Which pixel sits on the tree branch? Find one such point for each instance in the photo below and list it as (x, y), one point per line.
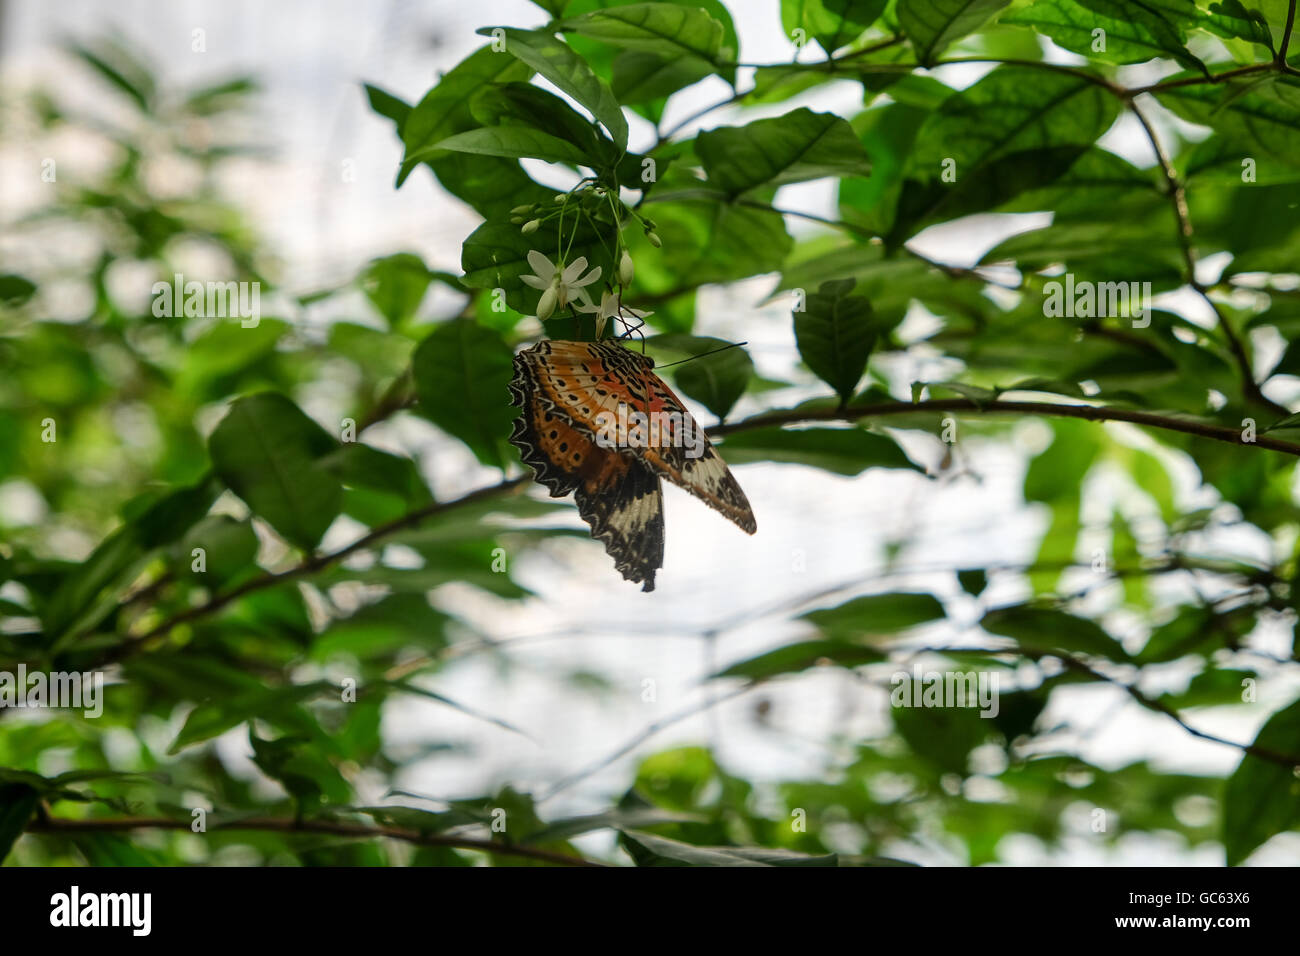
(49, 824)
(1081, 667)
(1094, 413)
(1178, 198)
(309, 566)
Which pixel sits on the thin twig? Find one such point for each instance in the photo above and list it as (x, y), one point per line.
(328, 827)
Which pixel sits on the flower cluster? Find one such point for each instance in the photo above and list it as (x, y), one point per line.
(564, 284)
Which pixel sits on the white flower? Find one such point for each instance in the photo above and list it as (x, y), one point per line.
(560, 284)
(609, 308)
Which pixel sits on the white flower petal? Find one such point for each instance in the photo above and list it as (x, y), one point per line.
(543, 266)
(573, 271)
(589, 278)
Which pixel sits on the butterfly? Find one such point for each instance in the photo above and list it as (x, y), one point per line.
(597, 422)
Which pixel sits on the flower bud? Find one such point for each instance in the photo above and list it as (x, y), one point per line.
(625, 269)
(654, 239)
(546, 304)
(522, 210)
(530, 226)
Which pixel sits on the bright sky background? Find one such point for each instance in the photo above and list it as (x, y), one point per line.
(312, 59)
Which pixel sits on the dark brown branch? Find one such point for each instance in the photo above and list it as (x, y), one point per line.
(1096, 413)
(1286, 35)
(1093, 413)
(1081, 667)
(326, 827)
(310, 566)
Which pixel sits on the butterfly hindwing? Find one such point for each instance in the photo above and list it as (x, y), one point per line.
(598, 422)
(628, 516)
(618, 496)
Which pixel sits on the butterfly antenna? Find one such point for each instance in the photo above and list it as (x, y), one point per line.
(721, 348)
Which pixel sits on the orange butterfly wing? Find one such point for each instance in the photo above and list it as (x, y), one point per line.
(599, 385)
(618, 496)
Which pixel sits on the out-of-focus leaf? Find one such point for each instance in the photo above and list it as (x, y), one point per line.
(17, 804)
(800, 656)
(876, 615)
(462, 374)
(215, 718)
(396, 286)
(268, 452)
(1262, 798)
(845, 451)
(646, 849)
(1047, 630)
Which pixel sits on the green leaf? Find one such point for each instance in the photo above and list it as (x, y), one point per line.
(361, 466)
(388, 106)
(396, 285)
(377, 630)
(213, 719)
(944, 736)
(1141, 251)
(522, 104)
(112, 849)
(798, 146)
(800, 656)
(1260, 117)
(15, 290)
(444, 110)
(1213, 687)
(1058, 472)
(115, 63)
(229, 549)
(496, 254)
(662, 28)
(716, 381)
(646, 849)
(1017, 129)
(18, 802)
(267, 451)
(1262, 798)
(845, 451)
(1231, 20)
(1048, 630)
(835, 336)
(90, 592)
(557, 61)
(640, 77)
(462, 374)
(876, 615)
(1134, 32)
(932, 25)
(710, 240)
(515, 142)
(833, 23)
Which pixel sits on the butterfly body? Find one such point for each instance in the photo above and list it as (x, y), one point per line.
(599, 423)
